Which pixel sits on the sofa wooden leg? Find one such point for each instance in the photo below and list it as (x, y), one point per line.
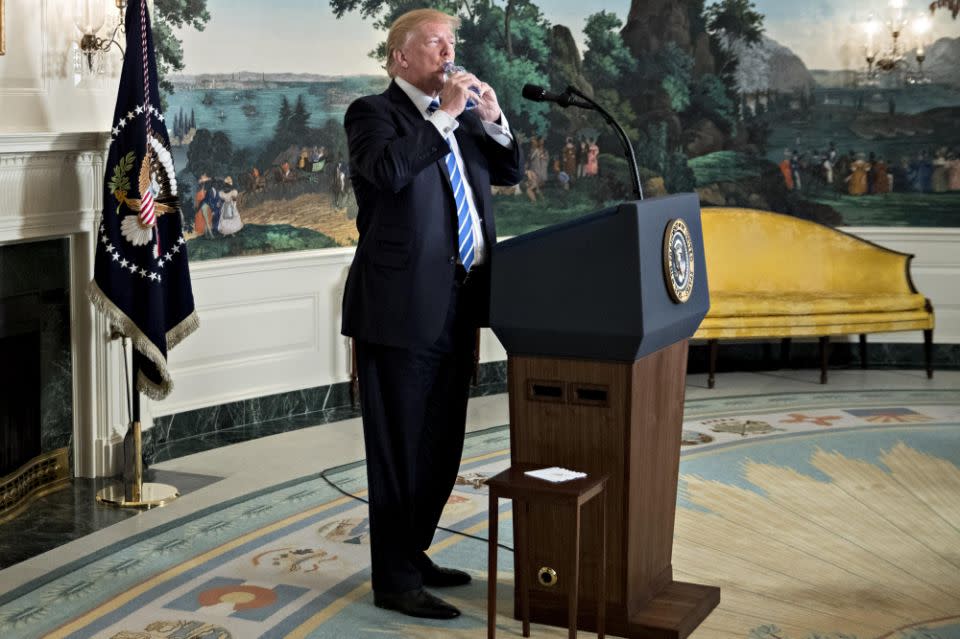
(824, 356)
(863, 350)
(712, 366)
(785, 351)
(928, 351)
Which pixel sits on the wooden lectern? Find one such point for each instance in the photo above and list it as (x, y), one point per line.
(589, 312)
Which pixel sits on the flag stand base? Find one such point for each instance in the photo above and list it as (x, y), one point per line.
(151, 496)
(133, 492)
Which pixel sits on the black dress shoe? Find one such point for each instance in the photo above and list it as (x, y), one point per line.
(437, 577)
(415, 603)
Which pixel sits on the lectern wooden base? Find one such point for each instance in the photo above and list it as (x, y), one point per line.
(623, 420)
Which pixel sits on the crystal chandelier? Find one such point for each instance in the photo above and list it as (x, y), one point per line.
(891, 60)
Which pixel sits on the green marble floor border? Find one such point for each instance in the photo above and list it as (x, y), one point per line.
(211, 427)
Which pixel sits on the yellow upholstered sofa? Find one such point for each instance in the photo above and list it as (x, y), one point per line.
(775, 276)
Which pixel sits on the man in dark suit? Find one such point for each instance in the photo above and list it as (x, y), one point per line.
(421, 162)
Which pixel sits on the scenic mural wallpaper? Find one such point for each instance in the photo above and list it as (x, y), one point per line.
(844, 112)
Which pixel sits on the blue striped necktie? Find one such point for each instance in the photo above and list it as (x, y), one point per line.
(464, 221)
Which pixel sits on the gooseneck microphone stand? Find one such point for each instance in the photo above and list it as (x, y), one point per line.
(624, 140)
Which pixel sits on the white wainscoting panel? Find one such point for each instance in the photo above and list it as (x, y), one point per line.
(268, 324)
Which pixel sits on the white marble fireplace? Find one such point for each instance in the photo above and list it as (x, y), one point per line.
(50, 187)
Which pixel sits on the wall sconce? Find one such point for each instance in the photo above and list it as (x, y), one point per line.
(89, 17)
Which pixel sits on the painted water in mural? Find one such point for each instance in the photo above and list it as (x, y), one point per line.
(816, 111)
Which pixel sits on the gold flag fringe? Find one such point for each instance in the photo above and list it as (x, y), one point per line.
(129, 328)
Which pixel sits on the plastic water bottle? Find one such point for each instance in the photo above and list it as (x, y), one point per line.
(449, 68)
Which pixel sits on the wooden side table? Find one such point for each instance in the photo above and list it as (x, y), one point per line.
(514, 484)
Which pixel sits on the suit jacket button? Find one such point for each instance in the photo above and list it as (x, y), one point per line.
(452, 260)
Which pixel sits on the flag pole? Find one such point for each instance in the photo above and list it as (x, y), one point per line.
(141, 280)
(133, 492)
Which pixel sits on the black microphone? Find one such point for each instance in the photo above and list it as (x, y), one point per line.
(539, 94)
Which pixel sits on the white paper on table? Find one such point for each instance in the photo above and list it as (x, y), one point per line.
(555, 474)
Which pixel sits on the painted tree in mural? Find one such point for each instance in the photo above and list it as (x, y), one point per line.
(170, 15)
(953, 6)
(608, 63)
(506, 46)
(735, 27)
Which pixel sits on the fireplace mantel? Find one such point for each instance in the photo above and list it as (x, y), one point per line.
(50, 186)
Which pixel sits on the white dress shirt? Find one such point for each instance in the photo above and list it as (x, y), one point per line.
(446, 125)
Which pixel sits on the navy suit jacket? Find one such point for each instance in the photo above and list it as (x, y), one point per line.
(400, 283)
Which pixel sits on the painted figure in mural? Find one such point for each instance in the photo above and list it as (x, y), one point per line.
(940, 181)
(592, 166)
(953, 171)
(582, 157)
(203, 220)
(230, 221)
(569, 154)
(563, 178)
(795, 166)
(881, 177)
(841, 169)
(339, 184)
(257, 181)
(857, 180)
(422, 167)
(532, 185)
(901, 176)
(786, 170)
(214, 202)
(921, 173)
(538, 158)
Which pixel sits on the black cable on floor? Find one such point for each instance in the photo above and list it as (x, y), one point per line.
(323, 475)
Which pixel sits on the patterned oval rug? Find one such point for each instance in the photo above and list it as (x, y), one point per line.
(820, 515)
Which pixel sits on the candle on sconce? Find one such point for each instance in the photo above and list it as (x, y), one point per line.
(871, 27)
(921, 25)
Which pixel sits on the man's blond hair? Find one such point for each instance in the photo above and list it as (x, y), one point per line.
(405, 25)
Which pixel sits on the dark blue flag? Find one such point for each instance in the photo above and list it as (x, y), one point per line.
(141, 279)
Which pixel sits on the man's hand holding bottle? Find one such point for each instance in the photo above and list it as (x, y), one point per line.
(463, 91)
